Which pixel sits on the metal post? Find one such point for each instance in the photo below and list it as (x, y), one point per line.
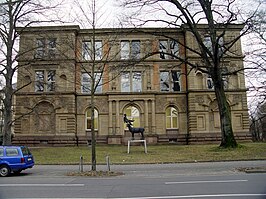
(81, 163)
(108, 162)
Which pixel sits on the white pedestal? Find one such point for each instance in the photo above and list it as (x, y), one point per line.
(132, 141)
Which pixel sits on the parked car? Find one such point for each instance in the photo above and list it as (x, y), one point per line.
(15, 159)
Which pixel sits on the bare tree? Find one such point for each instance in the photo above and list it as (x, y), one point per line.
(14, 13)
(255, 60)
(218, 17)
(96, 56)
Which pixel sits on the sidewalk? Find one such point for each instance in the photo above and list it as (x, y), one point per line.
(155, 170)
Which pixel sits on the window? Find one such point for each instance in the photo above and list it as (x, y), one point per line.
(225, 77)
(44, 80)
(208, 44)
(130, 49)
(132, 114)
(86, 82)
(1, 152)
(39, 81)
(131, 82)
(224, 72)
(135, 49)
(171, 118)
(51, 47)
(40, 50)
(11, 152)
(89, 119)
(45, 48)
(169, 49)
(51, 80)
(209, 82)
(87, 50)
(170, 81)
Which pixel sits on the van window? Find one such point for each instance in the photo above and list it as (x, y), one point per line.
(11, 152)
(1, 152)
(25, 151)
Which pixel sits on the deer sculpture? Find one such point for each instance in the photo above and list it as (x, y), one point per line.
(132, 129)
(136, 130)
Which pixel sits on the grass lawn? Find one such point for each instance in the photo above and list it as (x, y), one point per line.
(156, 154)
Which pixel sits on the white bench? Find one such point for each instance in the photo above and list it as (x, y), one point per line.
(132, 141)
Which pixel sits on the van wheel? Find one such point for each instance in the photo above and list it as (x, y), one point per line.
(4, 170)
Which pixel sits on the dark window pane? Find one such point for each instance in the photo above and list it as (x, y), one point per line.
(175, 77)
(135, 50)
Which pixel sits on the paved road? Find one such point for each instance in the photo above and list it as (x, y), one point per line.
(196, 180)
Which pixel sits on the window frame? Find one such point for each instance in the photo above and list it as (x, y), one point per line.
(174, 85)
(10, 152)
(129, 81)
(46, 47)
(168, 50)
(98, 77)
(87, 51)
(130, 49)
(88, 119)
(208, 44)
(171, 118)
(46, 84)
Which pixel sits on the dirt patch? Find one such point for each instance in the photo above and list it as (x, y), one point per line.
(95, 173)
(252, 169)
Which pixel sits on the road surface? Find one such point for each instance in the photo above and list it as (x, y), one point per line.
(186, 180)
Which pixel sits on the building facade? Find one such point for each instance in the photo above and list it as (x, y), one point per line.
(135, 74)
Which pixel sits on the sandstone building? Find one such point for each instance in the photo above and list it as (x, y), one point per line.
(161, 93)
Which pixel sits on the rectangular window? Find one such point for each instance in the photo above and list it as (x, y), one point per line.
(1, 152)
(168, 49)
(170, 81)
(209, 82)
(98, 50)
(135, 49)
(98, 81)
(44, 80)
(130, 49)
(125, 82)
(11, 152)
(225, 78)
(124, 50)
(45, 48)
(87, 50)
(51, 80)
(131, 82)
(39, 81)
(40, 48)
(136, 82)
(208, 44)
(51, 45)
(86, 46)
(86, 83)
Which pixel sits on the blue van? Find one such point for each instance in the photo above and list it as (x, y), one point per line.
(15, 159)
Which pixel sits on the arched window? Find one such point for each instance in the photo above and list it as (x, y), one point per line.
(133, 114)
(171, 118)
(88, 119)
(199, 80)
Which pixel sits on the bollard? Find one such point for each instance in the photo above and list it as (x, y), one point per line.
(108, 162)
(81, 163)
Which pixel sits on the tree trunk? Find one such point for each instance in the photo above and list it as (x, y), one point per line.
(228, 139)
(7, 116)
